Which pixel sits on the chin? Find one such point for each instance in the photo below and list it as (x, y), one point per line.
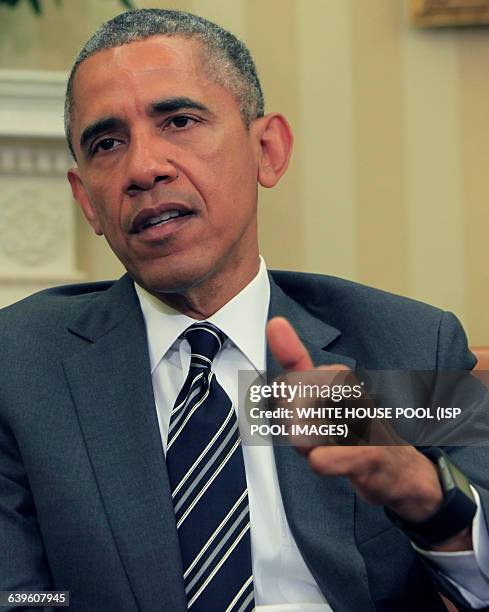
(170, 279)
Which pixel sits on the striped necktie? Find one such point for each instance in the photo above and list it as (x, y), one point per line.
(207, 477)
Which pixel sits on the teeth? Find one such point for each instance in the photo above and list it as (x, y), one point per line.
(170, 214)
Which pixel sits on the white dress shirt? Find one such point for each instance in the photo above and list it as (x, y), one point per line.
(282, 581)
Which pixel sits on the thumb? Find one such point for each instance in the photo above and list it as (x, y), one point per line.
(286, 346)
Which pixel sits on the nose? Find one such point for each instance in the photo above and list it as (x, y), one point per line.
(148, 164)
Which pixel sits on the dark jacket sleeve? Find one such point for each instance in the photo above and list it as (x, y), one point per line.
(453, 354)
(23, 564)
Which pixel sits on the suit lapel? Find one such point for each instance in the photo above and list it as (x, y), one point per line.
(111, 386)
(320, 511)
(314, 333)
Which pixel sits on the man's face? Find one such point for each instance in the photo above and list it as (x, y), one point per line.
(156, 138)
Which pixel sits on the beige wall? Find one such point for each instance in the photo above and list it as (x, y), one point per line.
(388, 184)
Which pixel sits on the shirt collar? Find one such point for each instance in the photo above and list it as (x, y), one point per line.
(243, 319)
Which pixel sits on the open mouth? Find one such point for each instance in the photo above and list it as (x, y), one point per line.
(164, 218)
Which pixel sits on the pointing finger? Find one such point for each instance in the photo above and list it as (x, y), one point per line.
(286, 346)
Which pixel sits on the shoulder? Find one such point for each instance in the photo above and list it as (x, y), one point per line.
(47, 312)
(56, 302)
(323, 292)
(375, 323)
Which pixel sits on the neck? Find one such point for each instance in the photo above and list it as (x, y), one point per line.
(203, 300)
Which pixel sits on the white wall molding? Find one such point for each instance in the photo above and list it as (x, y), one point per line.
(31, 103)
(37, 214)
(31, 158)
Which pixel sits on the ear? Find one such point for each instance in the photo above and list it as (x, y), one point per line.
(81, 196)
(275, 139)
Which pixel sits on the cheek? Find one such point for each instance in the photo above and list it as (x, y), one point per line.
(104, 202)
(228, 152)
(231, 175)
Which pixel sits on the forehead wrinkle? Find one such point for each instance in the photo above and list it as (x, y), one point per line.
(129, 60)
(194, 61)
(106, 81)
(163, 50)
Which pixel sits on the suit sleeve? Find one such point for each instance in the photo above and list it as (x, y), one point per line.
(23, 563)
(453, 354)
(452, 350)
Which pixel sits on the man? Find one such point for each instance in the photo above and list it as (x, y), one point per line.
(165, 120)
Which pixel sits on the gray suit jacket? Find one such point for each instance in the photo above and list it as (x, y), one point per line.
(85, 502)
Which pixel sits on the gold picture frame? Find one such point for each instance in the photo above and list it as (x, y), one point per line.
(449, 12)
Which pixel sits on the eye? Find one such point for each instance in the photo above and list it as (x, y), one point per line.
(181, 122)
(106, 144)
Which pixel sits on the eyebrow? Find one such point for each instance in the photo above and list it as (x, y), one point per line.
(170, 105)
(98, 127)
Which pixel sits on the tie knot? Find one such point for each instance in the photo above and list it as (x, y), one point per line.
(205, 342)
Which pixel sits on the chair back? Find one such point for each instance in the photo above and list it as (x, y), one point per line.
(482, 354)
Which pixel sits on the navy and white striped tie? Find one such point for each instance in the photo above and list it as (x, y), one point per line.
(206, 470)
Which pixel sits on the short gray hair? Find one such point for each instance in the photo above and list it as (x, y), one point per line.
(233, 66)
